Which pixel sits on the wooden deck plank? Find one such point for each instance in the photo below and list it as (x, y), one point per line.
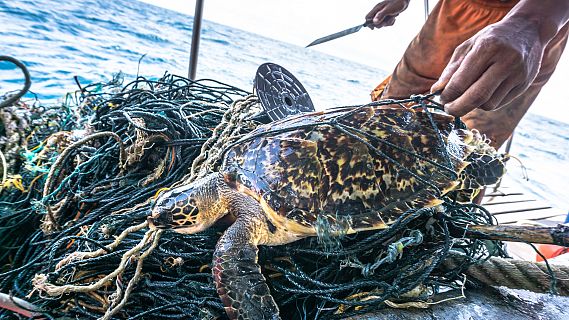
(502, 193)
(553, 221)
(506, 199)
(516, 207)
(536, 215)
(510, 204)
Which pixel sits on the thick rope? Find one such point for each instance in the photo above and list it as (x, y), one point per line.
(41, 283)
(80, 255)
(123, 297)
(226, 132)
(27, 83)
(515, 274)
(51, 222)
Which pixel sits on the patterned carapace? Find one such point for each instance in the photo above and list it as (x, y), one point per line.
(366, 167)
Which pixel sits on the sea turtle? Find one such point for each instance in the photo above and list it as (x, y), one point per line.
(338, 171)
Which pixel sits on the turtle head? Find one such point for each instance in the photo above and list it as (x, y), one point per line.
(191, 208)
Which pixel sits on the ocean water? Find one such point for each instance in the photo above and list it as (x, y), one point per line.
(93, 39)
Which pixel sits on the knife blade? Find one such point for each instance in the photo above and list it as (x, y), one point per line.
(337, 35)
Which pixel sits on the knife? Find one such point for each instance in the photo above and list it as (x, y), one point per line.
(338, 35)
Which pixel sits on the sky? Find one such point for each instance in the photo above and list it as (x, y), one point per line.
(302, 21)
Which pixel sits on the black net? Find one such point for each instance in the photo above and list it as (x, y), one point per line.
(80, 173)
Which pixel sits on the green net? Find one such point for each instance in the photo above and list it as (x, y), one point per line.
(82, 172)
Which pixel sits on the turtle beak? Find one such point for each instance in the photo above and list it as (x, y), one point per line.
(158, 220)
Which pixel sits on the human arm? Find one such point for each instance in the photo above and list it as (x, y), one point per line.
(384, 13)
(501, 61)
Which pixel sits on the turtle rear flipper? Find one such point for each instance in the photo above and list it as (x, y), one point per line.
(483, 170)
(237, 275)
(485, 166)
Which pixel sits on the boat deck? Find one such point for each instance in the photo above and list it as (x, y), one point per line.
(509, 204)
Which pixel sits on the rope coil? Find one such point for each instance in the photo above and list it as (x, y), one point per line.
(516, 274)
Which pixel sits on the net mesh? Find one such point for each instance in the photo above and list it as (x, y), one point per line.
(85, 171)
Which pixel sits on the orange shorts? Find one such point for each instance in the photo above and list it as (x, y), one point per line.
(450, 23)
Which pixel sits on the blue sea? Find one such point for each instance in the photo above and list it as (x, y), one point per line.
(93, 39)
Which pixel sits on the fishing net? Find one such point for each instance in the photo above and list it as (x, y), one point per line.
(81, 176)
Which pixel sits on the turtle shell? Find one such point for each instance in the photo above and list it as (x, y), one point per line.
(360, 168)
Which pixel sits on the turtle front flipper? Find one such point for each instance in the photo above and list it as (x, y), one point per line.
(237, 275)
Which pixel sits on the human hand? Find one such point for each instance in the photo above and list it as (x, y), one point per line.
(384, 13)
(491, 68)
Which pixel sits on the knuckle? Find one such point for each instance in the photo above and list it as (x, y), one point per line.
(464, 47)
(502, 47)
(494, 42)
(478, 99)
(491, 41)
(489, 106)
(517, 58)
(450, 93)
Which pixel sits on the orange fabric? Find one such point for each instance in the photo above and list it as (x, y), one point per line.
(450, 24)
(550, 251)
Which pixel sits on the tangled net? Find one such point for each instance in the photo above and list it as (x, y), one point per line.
(80, 181)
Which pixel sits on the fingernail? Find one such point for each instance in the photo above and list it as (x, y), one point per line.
(453, 110)
(449, 108)
(435, 87)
